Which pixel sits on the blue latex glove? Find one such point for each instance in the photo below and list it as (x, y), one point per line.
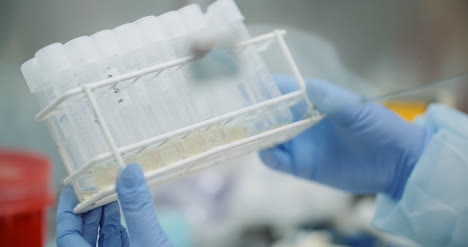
(360, 146)
(134, 196)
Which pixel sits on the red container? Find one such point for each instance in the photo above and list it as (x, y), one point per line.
(24, 197)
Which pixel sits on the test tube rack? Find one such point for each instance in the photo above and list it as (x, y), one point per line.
(202, 160)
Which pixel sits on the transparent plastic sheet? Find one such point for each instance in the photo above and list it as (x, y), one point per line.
(448, 90)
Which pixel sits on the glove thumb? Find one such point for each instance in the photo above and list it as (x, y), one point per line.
(340, 105)
(137, 206)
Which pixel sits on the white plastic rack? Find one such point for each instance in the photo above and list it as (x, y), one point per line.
(201, 160)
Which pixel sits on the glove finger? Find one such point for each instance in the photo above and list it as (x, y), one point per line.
(69, 225)
(137, 205)
(329, 98)
(124, 236)
(277, 158)
(111, 229)
(287, 84)
(91, 221)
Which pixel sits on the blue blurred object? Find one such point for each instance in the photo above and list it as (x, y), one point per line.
(217, 63)
(360, 146)
(359, 240)
(82, 230)
(434, 207)
(176, 226)
(135, 199)
(137, 206)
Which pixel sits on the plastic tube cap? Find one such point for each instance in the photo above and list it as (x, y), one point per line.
(173, 25)
(193, 18)
(81, 50)
(226, 11)
(31, 73)
(144, 19)
(128, 37)
(150, 29)
(52, 59)
(106, 43)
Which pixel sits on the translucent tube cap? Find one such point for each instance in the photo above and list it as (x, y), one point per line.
(52, 59)
(143, 19)
(226, 11)
(128, 37)
(173, 24)
(150, 29)
(193, 17)
(82, 50)
(106, 43)
(31, 73)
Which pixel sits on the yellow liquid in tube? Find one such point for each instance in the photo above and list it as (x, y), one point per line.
(169, 153)
(236, 134)
(85, 194)
(105, 175)
(215, 136)
(85, 186)
(148, 160)
(194, 144)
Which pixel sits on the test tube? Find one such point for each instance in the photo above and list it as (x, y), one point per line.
(175, 31)
(56, 69)
(31, 73)
(176, 35)
(170, 110)
(84, 56)
(169, 87)
(226, 17)
(122, 99)
(76, 119)
(193, 23)
(133, 58)
(221, 95)
(116, 101)
(37, 86)
(113, 99)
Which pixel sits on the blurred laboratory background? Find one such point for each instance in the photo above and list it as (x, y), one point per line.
(373, 47)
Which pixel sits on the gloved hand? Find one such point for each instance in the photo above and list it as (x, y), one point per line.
(137, 205)
(360, 146)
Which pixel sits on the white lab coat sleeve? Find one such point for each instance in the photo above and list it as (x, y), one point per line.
(433, 210)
